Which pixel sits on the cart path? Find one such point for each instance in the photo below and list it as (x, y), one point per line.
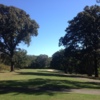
(83, 91)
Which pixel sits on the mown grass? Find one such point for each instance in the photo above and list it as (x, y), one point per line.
(49, 96)
(41, 84)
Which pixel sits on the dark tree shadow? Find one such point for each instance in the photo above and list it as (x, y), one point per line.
(43, 86)
(57, 74)
(42, 74)
(47, 86)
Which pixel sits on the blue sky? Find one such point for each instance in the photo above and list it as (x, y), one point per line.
(52, 17)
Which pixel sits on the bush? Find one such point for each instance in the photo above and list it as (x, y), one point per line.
(4, 67)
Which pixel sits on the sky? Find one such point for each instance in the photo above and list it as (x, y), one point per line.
(52, 17)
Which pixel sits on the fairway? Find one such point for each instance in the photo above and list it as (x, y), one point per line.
(43, 84)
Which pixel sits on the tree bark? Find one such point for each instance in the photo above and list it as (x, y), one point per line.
(12, 63)
(12, 66)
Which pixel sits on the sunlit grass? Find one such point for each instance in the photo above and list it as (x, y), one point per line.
(41, 84)
(49, 96)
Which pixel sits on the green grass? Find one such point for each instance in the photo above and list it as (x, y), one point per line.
(40, 84)
(50, 96)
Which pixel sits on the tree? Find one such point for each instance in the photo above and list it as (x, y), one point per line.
(48, 62)
(31, 61)
(78, 61)
(4, 59)
(20, 58)
(15, 27)
(59, 61)
(41, 61)
(83, 33)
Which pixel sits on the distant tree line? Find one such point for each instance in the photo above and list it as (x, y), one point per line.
(22, 60)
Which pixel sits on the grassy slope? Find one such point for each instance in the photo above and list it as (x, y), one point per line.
(40, 84)
(4, 67)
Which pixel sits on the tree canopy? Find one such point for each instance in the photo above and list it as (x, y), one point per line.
(83, 33)
(16, 26)
(59, 61)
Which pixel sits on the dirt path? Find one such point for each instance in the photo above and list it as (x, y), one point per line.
(83, 91)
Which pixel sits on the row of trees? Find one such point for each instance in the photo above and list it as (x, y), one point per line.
(22, 60)
(65, 60)
(74, 61)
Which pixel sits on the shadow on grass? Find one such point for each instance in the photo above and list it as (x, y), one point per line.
(43, 86)
(57, 74)
(47, 86)
(42, 73)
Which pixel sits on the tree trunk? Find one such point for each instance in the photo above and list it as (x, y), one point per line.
(95, 66)
(89, 67)
(12, 64)
(65, 70)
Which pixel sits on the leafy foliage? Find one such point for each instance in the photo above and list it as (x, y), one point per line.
(59, 61)
(15, 27)
(42, 61)
(20, 58)
(83, 33)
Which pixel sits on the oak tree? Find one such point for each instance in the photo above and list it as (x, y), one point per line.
(16, 26)
(83, 33)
